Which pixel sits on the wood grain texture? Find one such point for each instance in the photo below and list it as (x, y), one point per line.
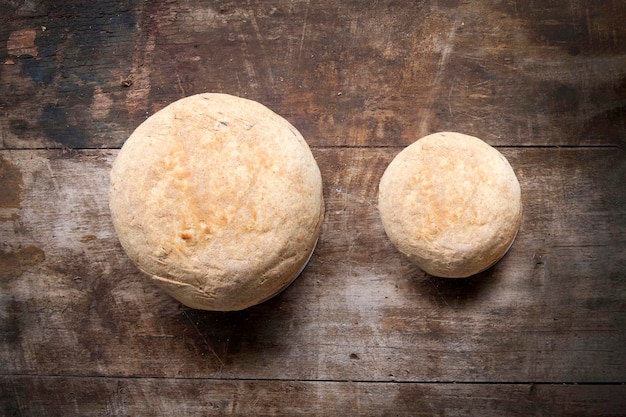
(63, 396)
(76, 74)
(553, 310)
(361, 331)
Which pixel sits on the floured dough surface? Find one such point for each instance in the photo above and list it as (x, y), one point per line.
(451, 203)
(219, 199)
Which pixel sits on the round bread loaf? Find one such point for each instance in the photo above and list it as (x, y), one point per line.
(219, 200)
(451, 203)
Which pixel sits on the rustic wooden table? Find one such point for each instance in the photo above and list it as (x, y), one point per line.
(362, 331)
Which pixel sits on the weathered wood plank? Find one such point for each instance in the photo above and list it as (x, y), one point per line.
(79, 74)
(553, 310)
(63, 396)
(83, 333)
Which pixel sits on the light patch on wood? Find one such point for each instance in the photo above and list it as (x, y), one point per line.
(101, 104)
(22, 42)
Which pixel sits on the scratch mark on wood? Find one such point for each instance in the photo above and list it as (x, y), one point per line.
(257, 32)
(137, 98)
(180, 86)
(115, 404)
(306, 16)
(17, 397)
(450, 100)
(446, 50)
(589, 26)
(52, 176)
(439, 293)
(208, 345)
(253, 78)
(445, 54)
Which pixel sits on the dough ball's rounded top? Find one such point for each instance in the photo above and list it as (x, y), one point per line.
(451, 203)
(218, 199)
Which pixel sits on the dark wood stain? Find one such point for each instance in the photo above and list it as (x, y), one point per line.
(12, 323)
(10, 184)
(15, 263)
(12, 265)
(576, 27)
(454, 293)
(77, 56)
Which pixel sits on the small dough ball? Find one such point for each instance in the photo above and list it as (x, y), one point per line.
(451, 203)
(219, 200)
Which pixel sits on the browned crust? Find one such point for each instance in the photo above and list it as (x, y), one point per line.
(451, 203)
(217, 198)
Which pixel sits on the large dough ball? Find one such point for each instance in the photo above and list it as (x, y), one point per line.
(451, 203)
(219, 200)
